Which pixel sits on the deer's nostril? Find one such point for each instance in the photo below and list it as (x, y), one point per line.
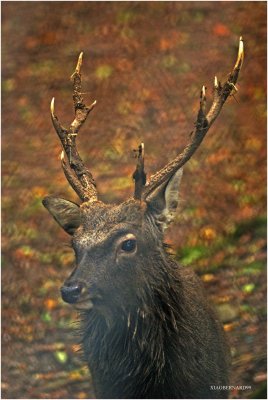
(71, 293)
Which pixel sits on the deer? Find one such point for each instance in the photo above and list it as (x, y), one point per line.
(148, 329)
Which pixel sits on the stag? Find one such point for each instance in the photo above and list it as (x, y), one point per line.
(148, 329)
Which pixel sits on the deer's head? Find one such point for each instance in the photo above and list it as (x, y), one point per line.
(118, 249)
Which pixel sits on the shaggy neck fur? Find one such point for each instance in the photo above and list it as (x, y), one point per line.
(158, 348)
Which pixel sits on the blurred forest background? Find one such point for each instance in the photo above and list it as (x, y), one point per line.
(145, 63)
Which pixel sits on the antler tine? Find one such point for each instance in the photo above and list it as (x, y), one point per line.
(76, 173)
(81, 110)
(139, 175)
(202, 125)
(71, 177)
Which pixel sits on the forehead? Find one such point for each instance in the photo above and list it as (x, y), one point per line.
(99, 220)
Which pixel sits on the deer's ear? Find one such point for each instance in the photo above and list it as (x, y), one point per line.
(66, 213)
(163, 201)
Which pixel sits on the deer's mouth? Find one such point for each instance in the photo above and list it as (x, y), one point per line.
(88, 299)
(77, 294)
(84, 304)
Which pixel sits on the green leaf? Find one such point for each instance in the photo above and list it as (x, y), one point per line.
(184, 67)
(198, 16)
(46, 317)
(8, 85)
(248, 288)
(190, 254)
(104, 71)
(169, 61)
(124, 17)
(61, 356)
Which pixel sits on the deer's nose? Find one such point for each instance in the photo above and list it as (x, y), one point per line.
(71, 292)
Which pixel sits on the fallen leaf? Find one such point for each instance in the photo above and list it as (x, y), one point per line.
(248, 288)
(61, 356)
(221, 30)
(260, 377)
(208, 278)
(50, 304)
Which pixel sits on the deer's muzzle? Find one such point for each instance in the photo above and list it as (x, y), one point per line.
(76, 293)
(71, 292)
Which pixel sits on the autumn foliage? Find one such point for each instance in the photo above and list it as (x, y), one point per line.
(145, 63)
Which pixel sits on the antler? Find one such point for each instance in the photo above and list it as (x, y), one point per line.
(203, 123)
(139, 175)
(75, 171)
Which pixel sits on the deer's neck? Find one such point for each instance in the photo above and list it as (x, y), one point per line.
(135, 350)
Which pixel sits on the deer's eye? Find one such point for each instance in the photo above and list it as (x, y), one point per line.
(129, 245)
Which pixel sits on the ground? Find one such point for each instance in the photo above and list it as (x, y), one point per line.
(145, 63)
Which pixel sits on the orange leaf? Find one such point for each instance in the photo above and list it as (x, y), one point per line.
(208, 277)
(39, 191)
(124, 65)
(76, 347)
(165, 44)
(229, 327)
(82, 395)
(221, 30)
(218, 156)
(50, 304)
(208, 233)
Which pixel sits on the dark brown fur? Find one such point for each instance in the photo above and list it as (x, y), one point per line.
(151, 332)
